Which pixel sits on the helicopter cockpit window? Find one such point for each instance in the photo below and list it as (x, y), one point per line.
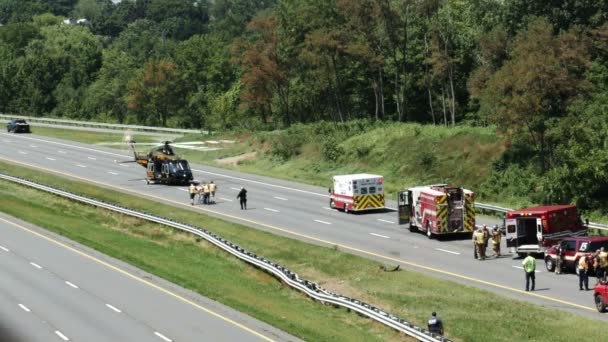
(183, 165)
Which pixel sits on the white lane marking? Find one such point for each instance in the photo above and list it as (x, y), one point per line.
(378, 235)
(63, 337)
(25, 308)
(445, 250)
(70, 284)
(270, 209)
(62, 152)
(162, 336)
(35, 265)
(327, 208)
(124, 165)
(4, 249)
(22, 152)
(49, 158)
(521, 268)
(322, 222)
(33, 146)
(80, 165)
(225, 199)
(92, 158)
(113, 308)
(280, 198)
(262, 183)
(235, 188)
(387, 221)
(113, 173)
(186, 190)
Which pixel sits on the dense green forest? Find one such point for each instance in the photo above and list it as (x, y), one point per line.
(536, 70)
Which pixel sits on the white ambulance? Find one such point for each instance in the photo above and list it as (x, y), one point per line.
(357, 192)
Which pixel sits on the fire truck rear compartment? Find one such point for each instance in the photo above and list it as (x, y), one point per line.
(527, 227)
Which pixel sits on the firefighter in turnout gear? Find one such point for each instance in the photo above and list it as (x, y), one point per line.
(496, 237)
(480, 242)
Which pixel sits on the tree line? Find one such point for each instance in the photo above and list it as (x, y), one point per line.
(535, 69)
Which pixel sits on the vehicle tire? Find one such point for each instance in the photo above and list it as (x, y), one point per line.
(332, 204)
(600, 304)
(429, 233)
(413, 228)
(550, 264)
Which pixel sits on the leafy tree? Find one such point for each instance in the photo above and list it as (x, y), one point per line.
(544, 74)
(155, 93)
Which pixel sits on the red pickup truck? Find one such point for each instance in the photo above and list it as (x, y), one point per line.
(574, 248)
(600, 294)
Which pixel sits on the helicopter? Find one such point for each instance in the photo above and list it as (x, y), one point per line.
(162, 165)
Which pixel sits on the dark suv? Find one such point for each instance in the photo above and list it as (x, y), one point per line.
(18, 126)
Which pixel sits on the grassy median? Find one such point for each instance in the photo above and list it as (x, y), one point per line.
(195, 265)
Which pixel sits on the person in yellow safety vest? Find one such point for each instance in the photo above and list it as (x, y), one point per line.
(496, 237)
(583, 275)
(479, 241)
(206, 193)
(529, 265)
(603, 262)
(192, 191)
(486, 237)
(212, 189)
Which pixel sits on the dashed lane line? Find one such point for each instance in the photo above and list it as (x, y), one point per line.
(386, 221)
(25, 308)
(80, 165)
(446, 251)
(270, 209)
(71, 284)
(52, 159)
(62, 336)
(113, 308)
(165, 338)
(281, 198)
(139, 279)
(324, 222)
(320, 240)
(36, 265)
(4, 249)
(378, 235)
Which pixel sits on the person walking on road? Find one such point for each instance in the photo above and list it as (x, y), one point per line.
(486, 238)
(529, 265)
(435, 325)
(212, 189)
(603, 264)
(206, 193)
(192, 191)
(242, 196)
(480, 242)
(496, 237)
(583, 275)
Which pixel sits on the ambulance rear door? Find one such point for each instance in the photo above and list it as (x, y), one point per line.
(404, 206)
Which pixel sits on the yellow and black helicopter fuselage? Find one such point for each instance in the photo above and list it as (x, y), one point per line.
(164, 167)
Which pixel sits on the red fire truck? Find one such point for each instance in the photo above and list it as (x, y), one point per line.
(437, 209)
(533, 230)
(357, 192)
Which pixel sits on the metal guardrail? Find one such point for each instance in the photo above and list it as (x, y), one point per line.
(101, 124)
(504, 210)
(289, 277)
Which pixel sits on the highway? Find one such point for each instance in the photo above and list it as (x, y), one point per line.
(53, 289)
(301, 211)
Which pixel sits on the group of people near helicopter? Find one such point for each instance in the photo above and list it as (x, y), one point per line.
(205, 192)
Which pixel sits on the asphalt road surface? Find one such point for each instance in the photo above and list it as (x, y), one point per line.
(301, 211)
(53, 289)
